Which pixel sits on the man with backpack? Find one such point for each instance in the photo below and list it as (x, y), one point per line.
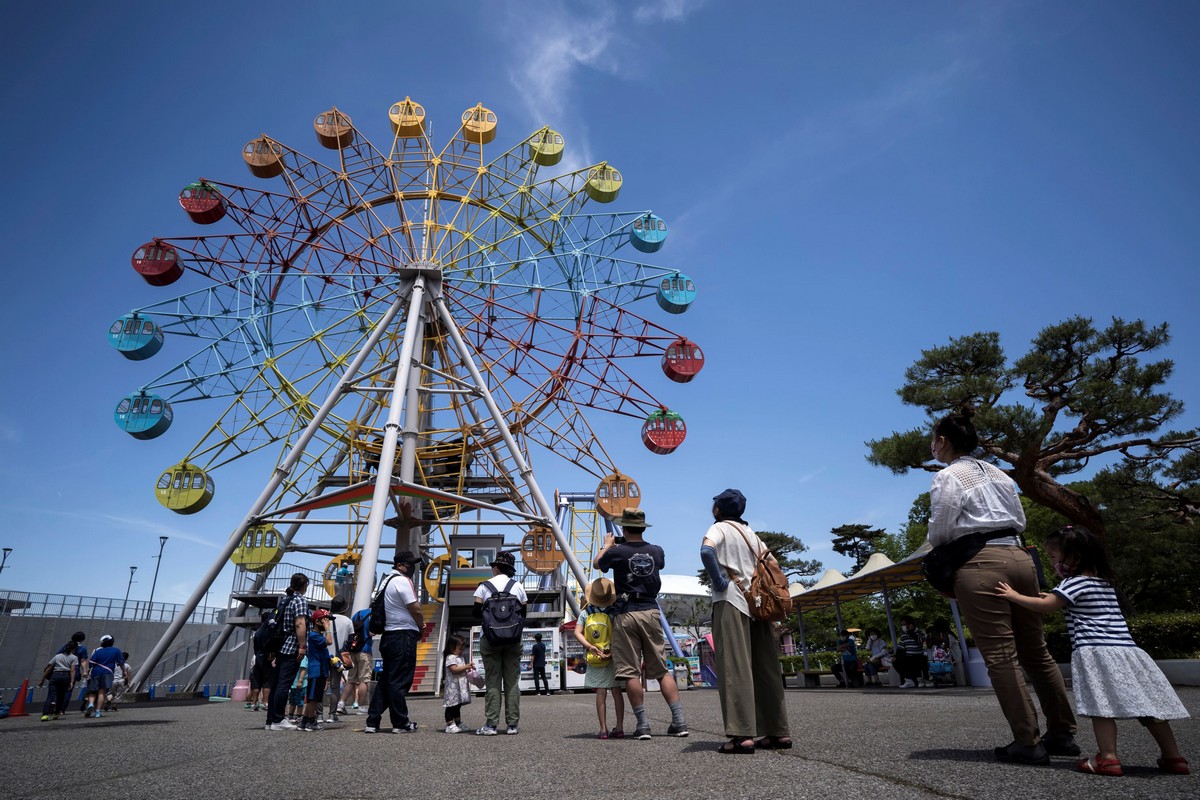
(638, 634)
(289, 642)
(396, 613)
(500, 606)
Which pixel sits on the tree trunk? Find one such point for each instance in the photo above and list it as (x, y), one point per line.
(1045, 491)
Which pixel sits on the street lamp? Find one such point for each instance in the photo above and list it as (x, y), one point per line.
(162, 542)
(127, 588)
(3, 561)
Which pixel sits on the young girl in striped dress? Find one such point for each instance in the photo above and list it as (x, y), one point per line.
(1112, 677)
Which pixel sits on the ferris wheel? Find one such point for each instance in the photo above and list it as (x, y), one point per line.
(404, 325)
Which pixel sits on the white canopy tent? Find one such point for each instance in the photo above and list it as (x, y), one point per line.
(879, 575)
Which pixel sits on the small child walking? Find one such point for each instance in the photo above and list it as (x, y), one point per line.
(456, 692)
(317, 670)
(1111, 676)
(596, 638)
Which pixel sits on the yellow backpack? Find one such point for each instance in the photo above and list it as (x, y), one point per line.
(598, 632)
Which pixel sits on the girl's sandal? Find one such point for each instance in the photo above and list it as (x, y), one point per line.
(773, 743)
(737, 747)
(1175, 766)
(603, 735)
(1101, 766)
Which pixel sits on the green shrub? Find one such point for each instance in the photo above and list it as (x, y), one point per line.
(1174, 634)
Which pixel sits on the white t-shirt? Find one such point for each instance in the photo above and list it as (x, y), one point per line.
(500, 581)
(733, 555)
(396, 598)
(342, 628)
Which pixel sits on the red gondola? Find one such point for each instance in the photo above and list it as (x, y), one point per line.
(663, 431)
(202, 202)
(158, 263)
(682, 360)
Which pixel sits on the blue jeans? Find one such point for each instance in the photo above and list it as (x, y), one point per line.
(285, 671)
(398, 649)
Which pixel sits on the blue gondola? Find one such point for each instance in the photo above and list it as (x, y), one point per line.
(676, 292)
(135, 337)
(143, 416)
(648, 233)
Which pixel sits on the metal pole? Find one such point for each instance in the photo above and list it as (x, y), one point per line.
(162, 542)
(277, 477)
(4, 561)
(128, 586)
(803, 641)
(502, 428)
(387, 453)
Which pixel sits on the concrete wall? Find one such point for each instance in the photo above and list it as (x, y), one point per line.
(29, 642)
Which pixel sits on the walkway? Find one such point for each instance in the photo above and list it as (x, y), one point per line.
(893, 744)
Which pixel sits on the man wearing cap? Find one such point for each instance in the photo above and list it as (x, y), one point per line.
(749, 678)
(398, 646)
(501, 662)
(104, 662)
(637, 634)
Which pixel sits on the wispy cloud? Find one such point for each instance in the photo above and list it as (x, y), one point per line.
(561, 43)
(135, 525)
(808, 476)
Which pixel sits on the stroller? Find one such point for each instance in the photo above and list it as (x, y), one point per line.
(941, 667)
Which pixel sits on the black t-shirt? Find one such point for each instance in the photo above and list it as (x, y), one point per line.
(635, 568)
(539, 654)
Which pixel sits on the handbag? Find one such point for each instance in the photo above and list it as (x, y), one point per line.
(942, 563)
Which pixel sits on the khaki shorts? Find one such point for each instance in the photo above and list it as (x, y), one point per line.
(362, 665)
(638, 638)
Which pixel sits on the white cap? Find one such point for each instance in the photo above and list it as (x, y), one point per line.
(105, 638)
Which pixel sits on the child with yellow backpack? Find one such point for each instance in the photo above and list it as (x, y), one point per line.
(593, 630)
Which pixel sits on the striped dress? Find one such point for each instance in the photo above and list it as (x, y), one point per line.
(1110, 675)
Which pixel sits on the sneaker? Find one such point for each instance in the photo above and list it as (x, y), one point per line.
(486, 730)
(53, 717)
(411, 727)
(369, 729)
(617, 733)
(452, 728)
(1060, 744)
(97, 714)
(679, 730)
(512, 730)
(314, 726)
(341, 709)
(909, 684)
(45, 717)
(285, 725)
(1023, 754)
(603, 735)
(642, 732)
(247, 707)
(355, 707)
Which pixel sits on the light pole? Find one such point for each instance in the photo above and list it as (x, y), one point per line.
(127, 588)
(3, 561)
(162, 542)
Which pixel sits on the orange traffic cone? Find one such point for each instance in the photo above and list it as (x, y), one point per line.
(17, 709)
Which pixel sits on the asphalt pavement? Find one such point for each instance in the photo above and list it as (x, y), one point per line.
(850, 743)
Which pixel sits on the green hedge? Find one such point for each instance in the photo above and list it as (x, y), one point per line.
(818, 661)
(1170, 635)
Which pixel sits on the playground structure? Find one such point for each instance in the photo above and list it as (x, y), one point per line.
(401, 328)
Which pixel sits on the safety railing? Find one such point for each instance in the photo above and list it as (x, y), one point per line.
(175, 662)
(37, 604)
(279, 580)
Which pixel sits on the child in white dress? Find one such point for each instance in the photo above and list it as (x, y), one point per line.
(456, 693)
(1111, 676)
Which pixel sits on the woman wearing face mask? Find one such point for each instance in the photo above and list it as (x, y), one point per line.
(971, 496)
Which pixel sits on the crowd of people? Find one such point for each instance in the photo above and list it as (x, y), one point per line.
(105, 673)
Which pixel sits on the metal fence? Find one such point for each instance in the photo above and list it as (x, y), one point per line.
(279, 580)
(36, 604)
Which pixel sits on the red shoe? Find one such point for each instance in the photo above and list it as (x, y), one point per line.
(1101, 766)
(1175, 766)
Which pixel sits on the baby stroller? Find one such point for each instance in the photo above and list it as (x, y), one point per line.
(941, 667)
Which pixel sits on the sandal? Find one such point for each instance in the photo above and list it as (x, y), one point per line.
(774, 743)
(737, 747)
(603, 735)
(1101, 766)
(1175, 766)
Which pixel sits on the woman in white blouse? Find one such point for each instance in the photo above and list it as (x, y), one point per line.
(971, 496)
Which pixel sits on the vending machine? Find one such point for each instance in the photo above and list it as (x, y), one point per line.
(574, 660)
(554, 654)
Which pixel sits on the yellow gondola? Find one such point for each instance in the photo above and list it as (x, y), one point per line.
(343, 568)
(184, 488)
(435, 573)
(261, 549)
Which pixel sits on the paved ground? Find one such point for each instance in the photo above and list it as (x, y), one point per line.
(885, 743)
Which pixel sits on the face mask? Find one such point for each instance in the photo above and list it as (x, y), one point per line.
(873, 637)
(1060, 569)
(933, 450)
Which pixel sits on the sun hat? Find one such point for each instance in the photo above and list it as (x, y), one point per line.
(504, 559)
(601, 593)
(633, 518)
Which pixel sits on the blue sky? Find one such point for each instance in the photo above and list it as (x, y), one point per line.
(848, 184)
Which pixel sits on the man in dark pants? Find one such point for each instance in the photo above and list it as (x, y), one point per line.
(398, 646)
(293, 617)
(538, 651)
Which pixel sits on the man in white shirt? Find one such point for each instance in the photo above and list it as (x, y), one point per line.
(501, 660)
(397, 646)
